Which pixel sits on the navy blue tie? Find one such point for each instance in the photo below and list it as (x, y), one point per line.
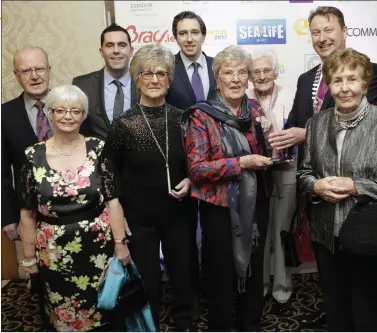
(197, 84)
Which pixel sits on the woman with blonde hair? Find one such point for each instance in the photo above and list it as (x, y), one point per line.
(71, 220)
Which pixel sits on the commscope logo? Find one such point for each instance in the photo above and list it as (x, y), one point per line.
(267, 31)
(361, 32)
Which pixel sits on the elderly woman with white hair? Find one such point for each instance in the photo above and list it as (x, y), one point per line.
(71, 220)
(225, 148)
(276, 103)
(145, 147)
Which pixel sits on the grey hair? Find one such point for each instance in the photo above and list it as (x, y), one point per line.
(30, 48)
(230, 53)
(151, 56)
(267, 53)
(67, 94)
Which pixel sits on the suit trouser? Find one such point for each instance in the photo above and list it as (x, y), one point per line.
(281, 212)
(220, 272)
(350, 292)
(175, 238)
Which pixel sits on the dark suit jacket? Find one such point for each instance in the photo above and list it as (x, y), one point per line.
(180, 94)
(302, 109)
(16, 135)
(97, 123)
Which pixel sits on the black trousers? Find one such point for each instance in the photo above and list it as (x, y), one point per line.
(175, 237)
(350, 291)
(221, 284)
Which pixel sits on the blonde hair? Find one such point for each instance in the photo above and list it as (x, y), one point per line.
(67, 94)
(230, 53)
(151, 56)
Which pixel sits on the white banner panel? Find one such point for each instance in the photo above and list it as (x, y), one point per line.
(279, 25)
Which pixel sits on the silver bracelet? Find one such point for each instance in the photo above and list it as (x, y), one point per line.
(30, 263)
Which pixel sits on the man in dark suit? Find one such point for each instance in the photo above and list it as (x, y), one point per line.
(193, 82)
(23, 123)
(329, 33)
(20, 128)
(193, 77)
(111, 90)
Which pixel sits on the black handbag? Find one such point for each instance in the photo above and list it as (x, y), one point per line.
(291, 258)
(358, 233)
(132, 296)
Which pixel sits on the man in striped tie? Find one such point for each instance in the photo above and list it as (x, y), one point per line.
(23, 123)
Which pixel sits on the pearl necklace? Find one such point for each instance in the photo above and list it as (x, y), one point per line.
(74, 151)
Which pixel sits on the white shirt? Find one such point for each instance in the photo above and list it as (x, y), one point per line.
(32, 111)
(111, 90)
(202, 70)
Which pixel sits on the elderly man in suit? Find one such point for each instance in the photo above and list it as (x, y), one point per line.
(193, 76)
(329, 33)
(111, 90)
(23, 123)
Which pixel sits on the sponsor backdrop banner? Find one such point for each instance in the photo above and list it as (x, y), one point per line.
(279, 25)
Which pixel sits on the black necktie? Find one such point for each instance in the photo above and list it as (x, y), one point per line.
(119, 100)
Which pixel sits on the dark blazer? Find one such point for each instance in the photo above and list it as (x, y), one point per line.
(302, 109)
(97, 123)
(180, 94)
(16, 135)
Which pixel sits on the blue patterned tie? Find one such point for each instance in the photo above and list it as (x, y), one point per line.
(119, 100)
(197, 84)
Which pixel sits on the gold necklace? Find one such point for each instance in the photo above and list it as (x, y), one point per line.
(74, 151)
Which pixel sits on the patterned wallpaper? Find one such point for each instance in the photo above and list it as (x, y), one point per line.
(69, 31)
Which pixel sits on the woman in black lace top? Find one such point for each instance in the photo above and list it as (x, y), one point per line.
(145, 147)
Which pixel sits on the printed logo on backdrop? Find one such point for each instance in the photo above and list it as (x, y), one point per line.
(301, 28)
(261, 31)
(150, 34)
(362, 32)
(310, 61)
(301, 1)
(216, 36)
(142, 8)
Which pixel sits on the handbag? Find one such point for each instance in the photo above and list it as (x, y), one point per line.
(123, 292)
(358, 233)
(288, 240)
(303, 238)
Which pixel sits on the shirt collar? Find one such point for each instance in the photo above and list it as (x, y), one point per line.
(187, 62)
(29, 101)
(125, 79)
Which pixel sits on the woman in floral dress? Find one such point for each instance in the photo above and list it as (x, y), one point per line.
(70, 215)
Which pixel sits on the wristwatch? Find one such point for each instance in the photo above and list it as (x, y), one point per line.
(121, 241)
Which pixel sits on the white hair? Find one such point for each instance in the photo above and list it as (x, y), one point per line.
(267, 53)
(67, 94)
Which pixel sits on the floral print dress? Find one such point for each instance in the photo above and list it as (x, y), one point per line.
(72, 257)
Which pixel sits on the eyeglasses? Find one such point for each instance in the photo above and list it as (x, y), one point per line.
(242, 75)
(60, 112)
(147, 75)
(265, 71)
(40, 71)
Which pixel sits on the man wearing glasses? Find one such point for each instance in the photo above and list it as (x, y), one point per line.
(110, 91)
(23, 123)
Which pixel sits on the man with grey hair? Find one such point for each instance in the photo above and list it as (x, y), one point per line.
(276, 102)
(24, 122)
(27, 114)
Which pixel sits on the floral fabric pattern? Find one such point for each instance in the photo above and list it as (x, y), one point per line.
(72, 257)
